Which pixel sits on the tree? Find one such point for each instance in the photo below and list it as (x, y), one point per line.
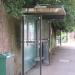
(14, 7)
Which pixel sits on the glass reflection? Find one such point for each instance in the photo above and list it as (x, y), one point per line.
(30, 48)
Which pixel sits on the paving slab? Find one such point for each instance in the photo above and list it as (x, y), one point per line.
(62, 63)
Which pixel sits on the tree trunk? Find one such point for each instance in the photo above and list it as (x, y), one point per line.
(66, 37)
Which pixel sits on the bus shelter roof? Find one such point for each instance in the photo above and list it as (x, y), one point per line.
(45, 11)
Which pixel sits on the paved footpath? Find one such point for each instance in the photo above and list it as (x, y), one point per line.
(62, 63)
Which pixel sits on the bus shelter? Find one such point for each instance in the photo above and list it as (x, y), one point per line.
(36, 31)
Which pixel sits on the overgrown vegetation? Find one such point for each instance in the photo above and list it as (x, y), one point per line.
(14, 7)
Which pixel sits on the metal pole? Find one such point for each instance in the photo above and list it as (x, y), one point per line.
(40, 45)
(60, 37)
(50, 33)
(49, 40)
(22, 43)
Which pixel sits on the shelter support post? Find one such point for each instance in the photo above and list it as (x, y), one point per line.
(22, 44)
(40, 18)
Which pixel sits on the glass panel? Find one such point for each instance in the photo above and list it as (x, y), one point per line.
(46, 48)
(25, 32)
(31, 32)
(31, 62)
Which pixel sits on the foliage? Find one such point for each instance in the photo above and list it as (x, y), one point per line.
(14, 7)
